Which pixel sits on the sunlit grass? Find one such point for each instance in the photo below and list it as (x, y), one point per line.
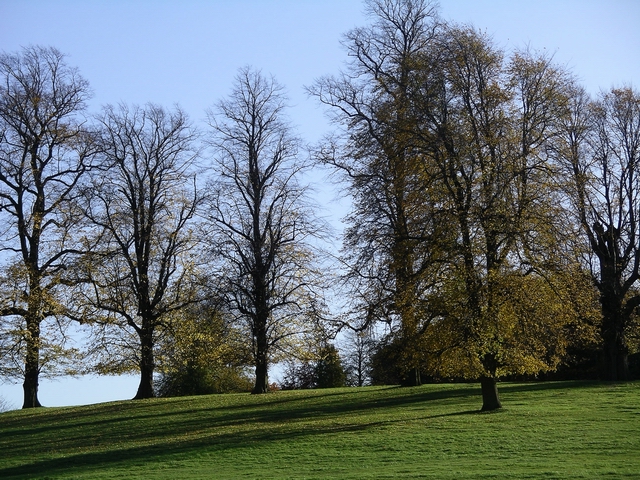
(550, 430)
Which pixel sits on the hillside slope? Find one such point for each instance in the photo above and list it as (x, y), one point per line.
(546, 430)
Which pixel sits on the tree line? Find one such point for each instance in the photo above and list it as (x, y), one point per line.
(493, 229)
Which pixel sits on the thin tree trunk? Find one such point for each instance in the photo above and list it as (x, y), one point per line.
(490, 398)
(262, 365)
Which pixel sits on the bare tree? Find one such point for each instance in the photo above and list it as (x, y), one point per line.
(44, 152)
(141, 204)
(390, 234)
(600, 154)
(357, 350)
(261, 225)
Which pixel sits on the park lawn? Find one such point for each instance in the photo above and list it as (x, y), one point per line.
(558, 430)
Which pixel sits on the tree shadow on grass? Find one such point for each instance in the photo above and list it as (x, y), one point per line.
(537, 386)
(70, 433)
(176, 449)
(82, 439)
(271, 408)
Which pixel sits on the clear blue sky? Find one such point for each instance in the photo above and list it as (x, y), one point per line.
(188, 52)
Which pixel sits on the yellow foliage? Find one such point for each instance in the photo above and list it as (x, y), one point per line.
(536, 320)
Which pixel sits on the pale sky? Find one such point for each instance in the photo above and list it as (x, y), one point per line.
(188, 52)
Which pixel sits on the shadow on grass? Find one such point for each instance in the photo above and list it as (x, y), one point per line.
(176, 428)
(271, 408)
(536, 386)
(157, 430)
(89, 462)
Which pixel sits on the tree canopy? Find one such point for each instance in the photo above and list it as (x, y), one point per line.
(493, 232)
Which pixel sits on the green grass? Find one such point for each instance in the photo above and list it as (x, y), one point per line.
(566, 430)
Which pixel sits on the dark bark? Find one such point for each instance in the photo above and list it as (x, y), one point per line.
(262, 376)
(32, 363)
(490, 398)
(32, 340)
(261, 359)
(145, 388)
(30, 388)
(615, 316)
(32, 371)
(260, 278)
(411, 378)
(615, 365)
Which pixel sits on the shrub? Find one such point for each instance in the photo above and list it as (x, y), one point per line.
(203, 354)
(329, 372)
(325, 372)
(4, 405)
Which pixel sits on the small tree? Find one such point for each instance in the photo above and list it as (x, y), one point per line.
(261, 226)
(202, 354)
(386, 362)
(357, 349)
(329, 371)
(298, 375)
(324, 370)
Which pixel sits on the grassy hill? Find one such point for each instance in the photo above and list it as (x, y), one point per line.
(565, 430)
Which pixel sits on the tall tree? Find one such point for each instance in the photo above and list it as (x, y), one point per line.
(44, 152)
(261, 225)
(491, 127)
(600, 154)
(142, 203)
(390, 237)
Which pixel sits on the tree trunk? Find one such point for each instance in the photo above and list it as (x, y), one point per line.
(490, 398)
(262, 347)
(411, 378)
(145, 389)
(615, 365)
(262, 377)
(32, 366)
(30, 387)
(615, 317)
